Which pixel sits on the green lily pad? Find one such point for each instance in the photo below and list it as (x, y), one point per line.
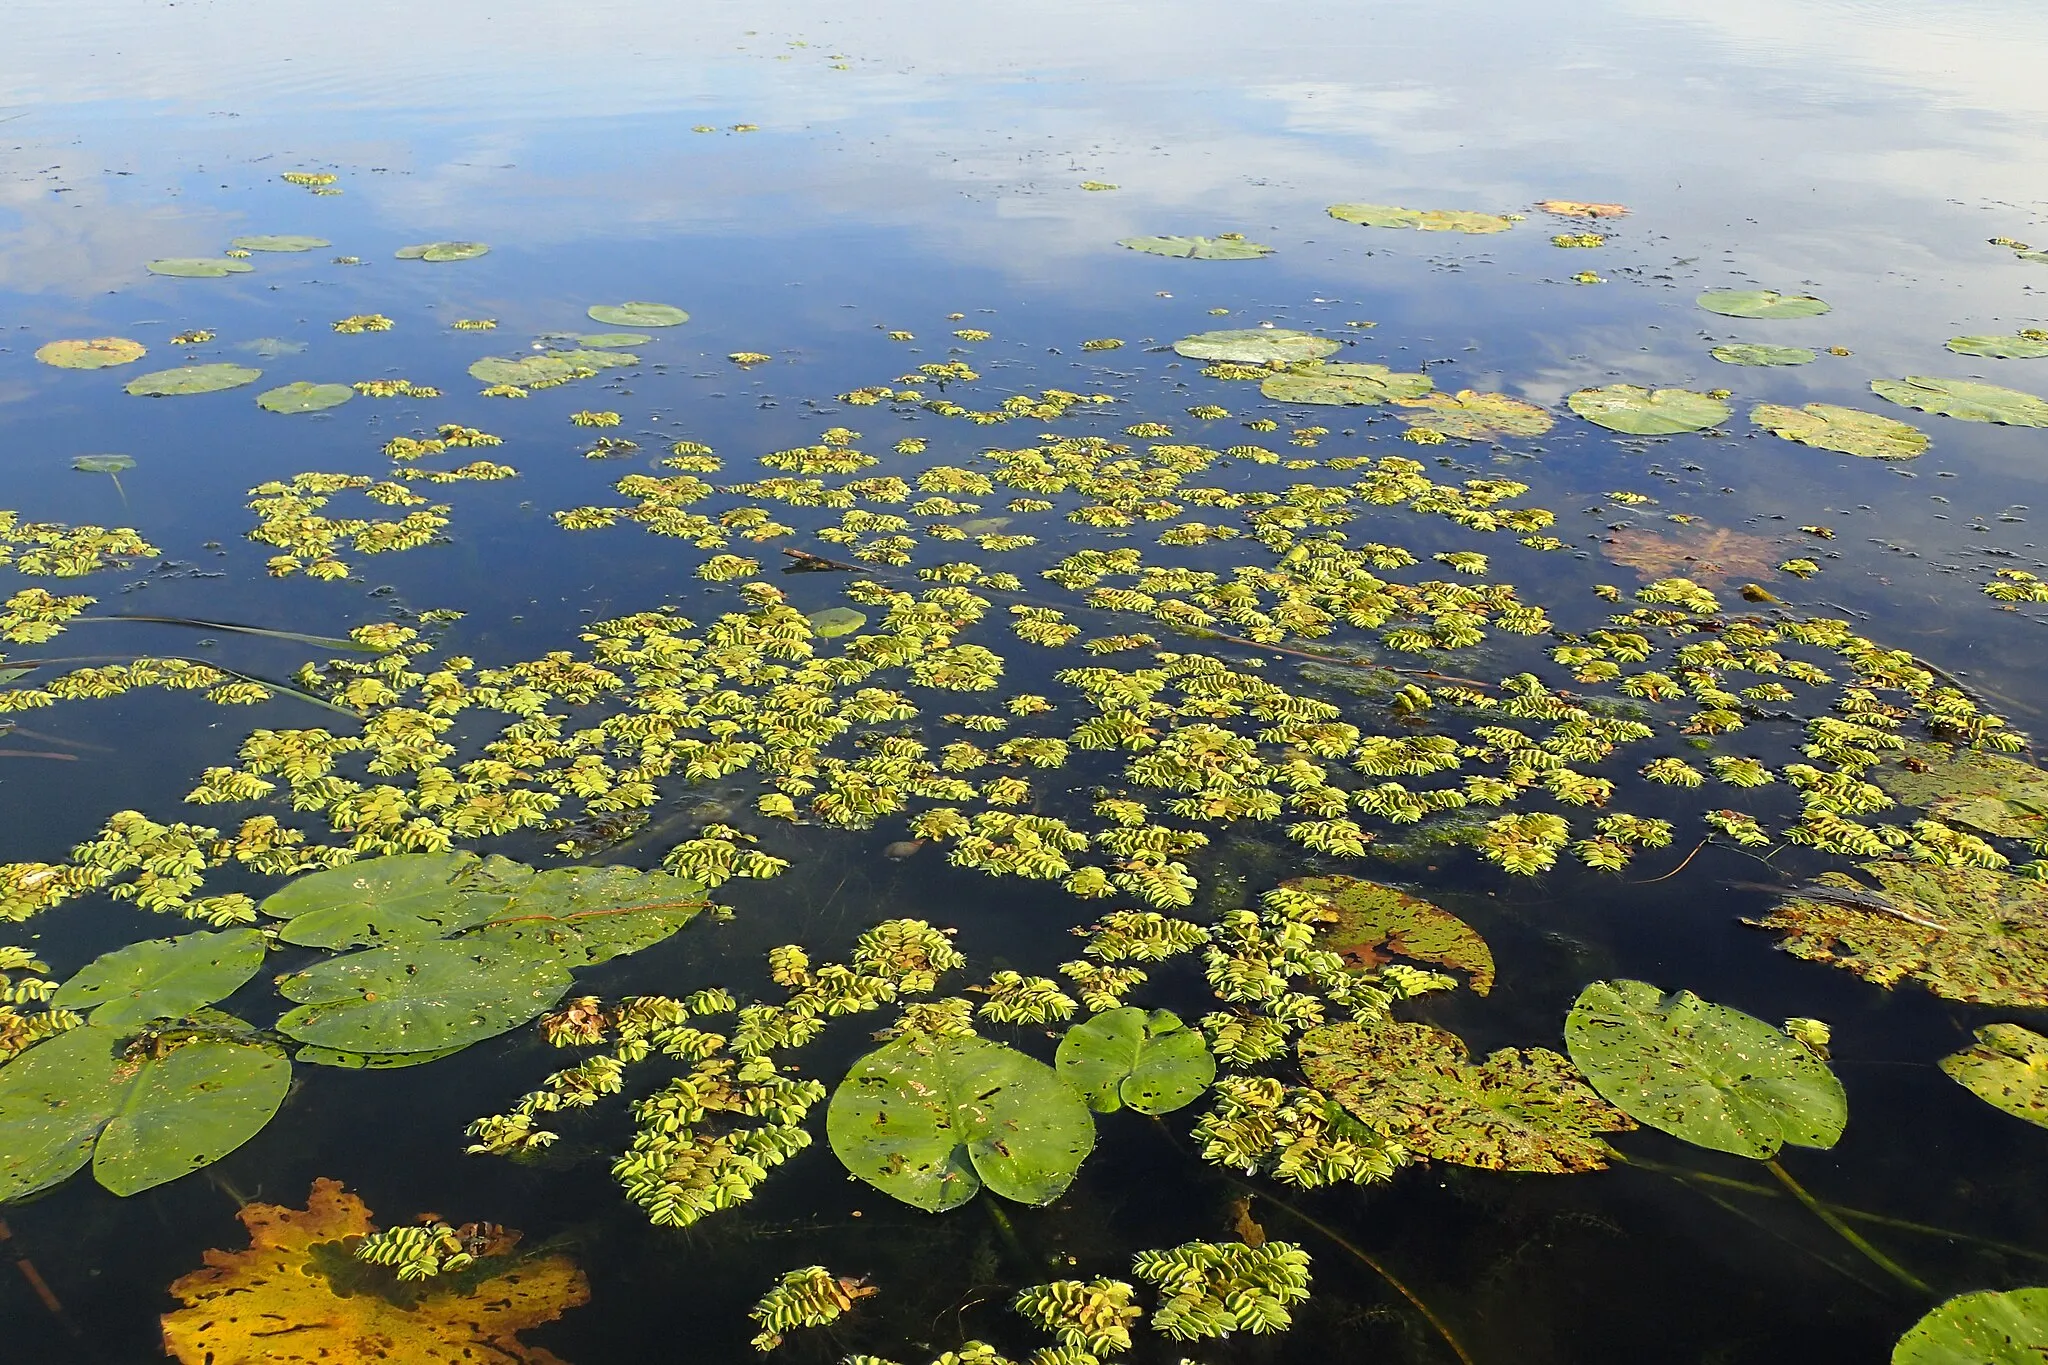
(370, 1061)
(301, 396)
(1640, 411)
(1369, 924)
(1980, 1329)
(1761, 303)
(2007, 1069)
(1964, 399)
(552, 367)
(1152, 1062)
(162, 978)
(442, 251)
(103, 464)
(279, 242)
(405, 898)
(420, 997)
(1337, 382)
(930, 1121)
(836, 621)
(1198, 248)
(1965, 933)
(1257, 346)
(637, 314)
(1417, 1086)
(1473, 416)
(2021, 347)
(582, 916)
(1424, 220)
(142, 1120)
(1980, 790)
(1746, 353)
(1714, 1076)
(1851, 431)
(192, 379)
(98, 353)
(199, 267)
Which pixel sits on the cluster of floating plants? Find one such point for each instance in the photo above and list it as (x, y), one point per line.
(1263, 662)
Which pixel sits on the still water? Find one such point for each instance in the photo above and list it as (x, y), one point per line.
(808, 181)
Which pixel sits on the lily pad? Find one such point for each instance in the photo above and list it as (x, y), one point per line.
(141, 1120)
(2007, 1069)
(1198, 248)
(1417, 1086)
(1987, 792)
(600, 341)
(1761, 303)
(1980, 1329)
(1965, 933)
(1640, 411)
(278, 242)
(930, 1121)
(1257, 346)
(1473, 416)
(103, 464)
(553, 367)
(1369, 924)
(582, 916)
(1425, 220)
(419, 997)
(1712, 1075)
(99, 353)
(1150, 1061)
(370, 1061)
(199, 267)
(1746, 353)
(301, 396)
(405, 898)
(442, 251)
(836, 621)
(1337, 382)
(1965, 399)
(2020, 347)
(271, 348)
(637, 314)
(162, 978)
(1829, 426)
(192, 379)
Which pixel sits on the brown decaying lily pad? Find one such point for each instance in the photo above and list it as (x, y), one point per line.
(1371, 924)
(1700, 552)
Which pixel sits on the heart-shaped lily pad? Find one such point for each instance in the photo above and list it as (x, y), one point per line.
(442, 251)
(1257, 346)
(2020, 347)
(1640, 411)
(192, 379)
(929, 1121)
(1198, 248)
(1474, 416)
(278, 242)
(302, 396)
(1964, 399)
(1761, 303)
(1829, 426)
(406, 898)
(637, 314)
(1748, 353)
(1980, 1329)
(2007, 1069)
(1150, 1061)
(1336, 382)
(96, 354)
(419, 997)
(162, 978)
(199, 267)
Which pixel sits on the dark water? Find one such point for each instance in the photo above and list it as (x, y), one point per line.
(1862, 151)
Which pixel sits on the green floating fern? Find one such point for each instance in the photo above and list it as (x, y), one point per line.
(1210, 1289)
(809, 1297)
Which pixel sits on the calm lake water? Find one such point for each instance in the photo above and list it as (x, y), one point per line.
(920, 169)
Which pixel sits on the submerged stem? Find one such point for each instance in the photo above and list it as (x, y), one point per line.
(1849, 1234)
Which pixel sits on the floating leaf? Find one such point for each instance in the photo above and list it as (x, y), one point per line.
(1828, 426)
(1150, 1061)
(1641, 411)
(1980, 1329)
(199, 267)
(142, 1118)
(192, 379)
(930, 1120)
(419, 997)
(97, 354)
(2021, 347)
(162, 978)
(1980, 790)
(103, 464)
(1257, 346)
(1746, 353)
(1198, 248)
(1337, 382)
(1966, 933)
(301, 396)
(582, 916)
(406, 898)
(1425, 220)
(271, 348)
(1714, 1076)
(2007, 1069)
(282, 242)
(1965, 399)
(637, 314)
(601, 341)
(836, 621)
(1761, 303)
(442, 251)
(1369, 923)
(1474, 416)
(1417, 1086)
(369, 1061)
(280, 1303)
(1572, 208)
(553, 367)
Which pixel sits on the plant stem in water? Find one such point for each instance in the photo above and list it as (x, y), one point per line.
(1849, 1234)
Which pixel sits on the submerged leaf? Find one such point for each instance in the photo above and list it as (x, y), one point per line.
(1426, 220)
(1150, 1061)
(1829, 426)
(930, 1120)
(1519, 1110)
(2021, 347)
(97, 354)
(1338, 382)
(637, 314)
(1368, 923)
(1640, 411)
(2007, 1069)
(552, 367)
(1987, 792)
(1700, 552)
(1980, 1329)
(833, 622)
(1746, 353)
(1256, 346)
(1474, 416)
(1712, 1075)
(284, 242)
(162, 978)
(442, 251)
(1964, 399)
(1198, 248)
(302, 396)
(192, 379)
(1761, 303)
(199, 267)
